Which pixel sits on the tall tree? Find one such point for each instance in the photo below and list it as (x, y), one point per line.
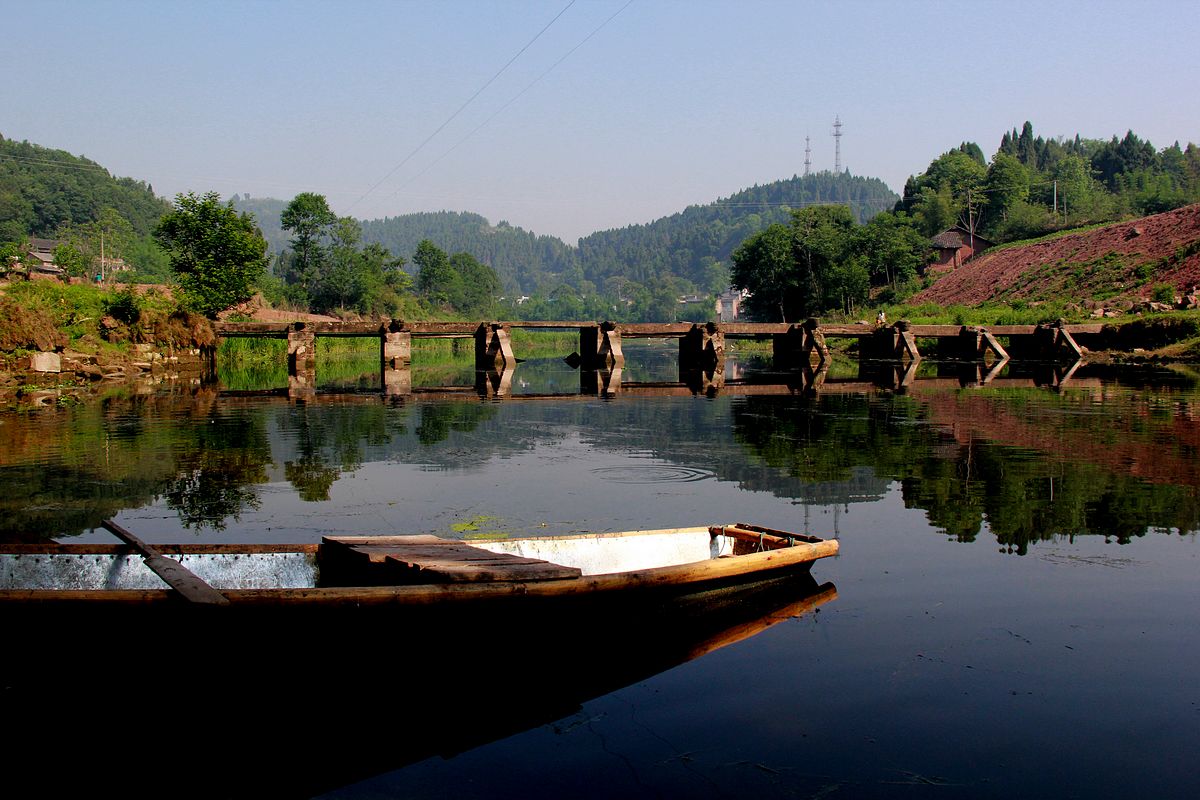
(437, 281)
(765, 265)
(895, 251)
(216, 253)
(309, 219)
(476, 286)
(1007, 184)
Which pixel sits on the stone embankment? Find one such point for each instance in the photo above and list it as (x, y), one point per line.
(47, 378)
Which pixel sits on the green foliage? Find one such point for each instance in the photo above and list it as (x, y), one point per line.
(43, 190)
(308, 217)
(824, 261)
(894, 249)
(476, 287)
(687, 245)
(1163, 293)
(70, 258)
(458, 282)
(436, 281)
(216, 253)
(329, 269)
(124, 306)
(1034, 185)
(949, 192)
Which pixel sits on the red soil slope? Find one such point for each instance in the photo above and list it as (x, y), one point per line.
(1126, 258)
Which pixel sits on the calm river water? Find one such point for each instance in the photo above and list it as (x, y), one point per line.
(1018, 590)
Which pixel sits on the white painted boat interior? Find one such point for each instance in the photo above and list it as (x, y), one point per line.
(593, 554)
(603, 554)
(103, 571)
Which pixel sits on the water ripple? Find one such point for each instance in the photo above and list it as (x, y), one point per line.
(652, 474)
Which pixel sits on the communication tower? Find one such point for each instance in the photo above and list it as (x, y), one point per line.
(837, 145)
(807, 156)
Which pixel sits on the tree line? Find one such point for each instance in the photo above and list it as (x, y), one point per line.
(823, 260)
(1034, 185)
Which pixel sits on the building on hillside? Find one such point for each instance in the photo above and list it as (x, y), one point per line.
(954, 247)
(729, 305)
(111, 266)
(39, 260)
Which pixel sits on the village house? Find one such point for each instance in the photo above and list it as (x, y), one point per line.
(39, 261)
(954, 247)
(729, 305)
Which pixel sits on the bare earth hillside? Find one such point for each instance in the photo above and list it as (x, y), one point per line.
(1127, 258)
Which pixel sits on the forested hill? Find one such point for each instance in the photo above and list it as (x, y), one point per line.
(266, 211)
(693, 245)
(523, 260)
(43, 191)
(696, 243)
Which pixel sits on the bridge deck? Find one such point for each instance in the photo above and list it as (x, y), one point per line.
(630, 330)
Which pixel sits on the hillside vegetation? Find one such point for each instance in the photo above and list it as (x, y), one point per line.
(1131, 258)
(1035, 185)
(42, 190)
(696, 244)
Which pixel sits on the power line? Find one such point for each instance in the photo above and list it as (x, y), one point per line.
(51, 163)
(514, 99)
(470, 100)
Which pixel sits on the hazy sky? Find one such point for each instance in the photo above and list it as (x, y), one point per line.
(668, 104)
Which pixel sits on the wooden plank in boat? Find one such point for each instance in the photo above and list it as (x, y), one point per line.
(451, 570)
(430, 559)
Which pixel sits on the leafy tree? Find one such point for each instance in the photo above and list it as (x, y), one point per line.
(437, 281)
(1073, 176)
(476, 286)
(1006, 185)
(70, 258)
(764, 264)
(309, 219)
(804, 268)
(893, 249)
(216, 253)
(1026, 153)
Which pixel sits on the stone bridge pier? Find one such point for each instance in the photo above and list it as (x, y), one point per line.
(794, 347)
(600, 347)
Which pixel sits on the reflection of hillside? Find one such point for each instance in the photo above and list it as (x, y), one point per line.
(955, 472)
(1131, 437)
(64, 472)
(1029, 463)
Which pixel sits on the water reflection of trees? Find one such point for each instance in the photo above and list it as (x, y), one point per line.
(218, 461)
(1040, 474)
(1026, 464)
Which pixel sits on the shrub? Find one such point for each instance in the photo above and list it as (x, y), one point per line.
(124, 306)
(1163, 293)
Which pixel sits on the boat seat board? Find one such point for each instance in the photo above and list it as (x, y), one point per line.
(429, 559)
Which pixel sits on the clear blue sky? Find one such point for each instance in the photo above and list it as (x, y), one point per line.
(670, 103)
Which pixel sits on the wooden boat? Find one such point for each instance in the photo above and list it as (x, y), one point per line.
(366, 571)
(447, 645)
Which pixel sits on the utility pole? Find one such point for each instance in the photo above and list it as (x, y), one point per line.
(837, 145)
(970, 221)
(1056, 198)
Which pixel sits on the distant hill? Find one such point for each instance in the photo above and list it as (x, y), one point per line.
(691, 243)
(1128, 258)
(524, 260)
(41, 189)
(266, 211)
(694, 244)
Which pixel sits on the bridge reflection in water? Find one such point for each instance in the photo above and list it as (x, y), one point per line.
(806, 380)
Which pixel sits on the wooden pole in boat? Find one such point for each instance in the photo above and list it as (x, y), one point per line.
(190, 586)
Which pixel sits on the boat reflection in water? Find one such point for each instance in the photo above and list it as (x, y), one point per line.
(244, 713)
